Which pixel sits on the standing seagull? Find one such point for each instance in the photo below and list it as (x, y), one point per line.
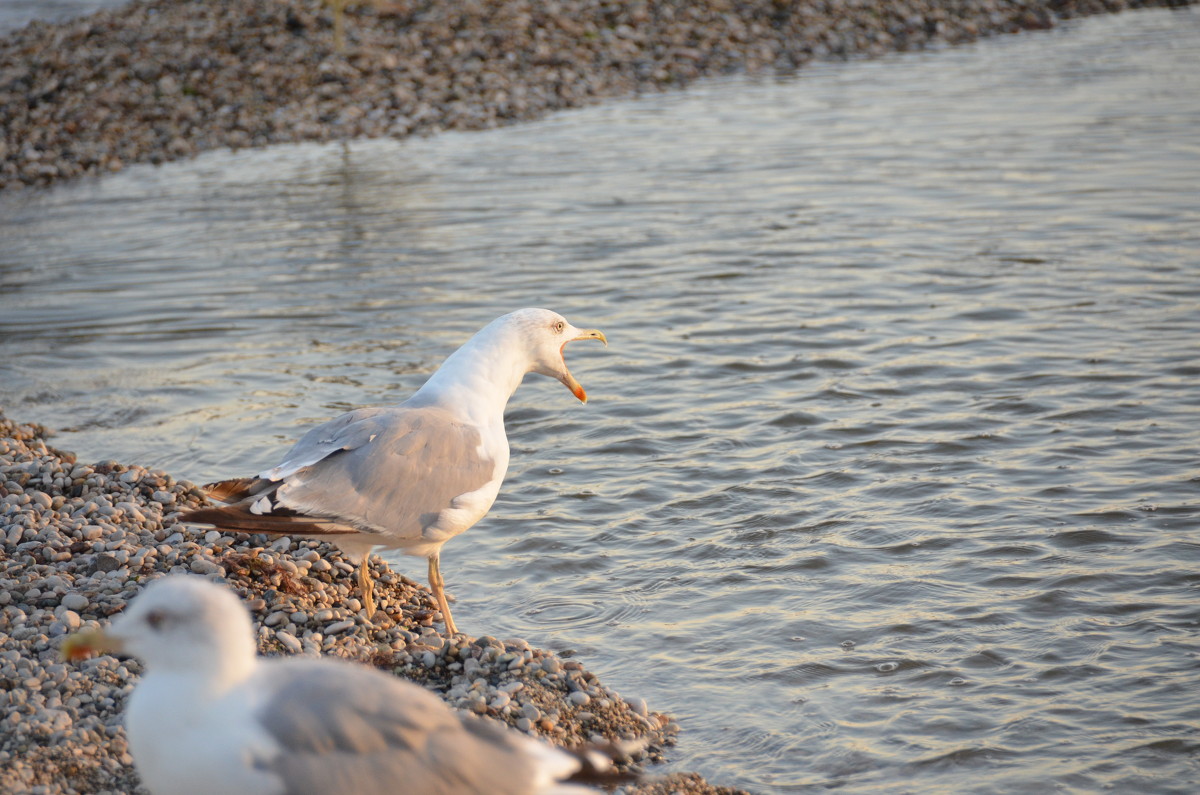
(408, 477)
(210, 716)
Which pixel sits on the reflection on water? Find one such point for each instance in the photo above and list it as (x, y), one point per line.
(888, 481)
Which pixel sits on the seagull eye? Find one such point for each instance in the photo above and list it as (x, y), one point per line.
(156, 619)
(558, 327)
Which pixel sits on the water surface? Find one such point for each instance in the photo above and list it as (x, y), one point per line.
(889, 478)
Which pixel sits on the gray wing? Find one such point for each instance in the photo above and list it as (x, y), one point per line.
(348, 728)
(392, 470)
(346, 432)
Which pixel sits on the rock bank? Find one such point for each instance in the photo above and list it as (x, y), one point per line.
(78, 541)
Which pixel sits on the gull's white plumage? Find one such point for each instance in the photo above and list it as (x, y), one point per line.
(209, 716)
(411, 476)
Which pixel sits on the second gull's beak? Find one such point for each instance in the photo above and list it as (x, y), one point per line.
(79, 645)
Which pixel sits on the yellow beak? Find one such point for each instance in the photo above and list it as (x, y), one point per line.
(78, 646)
(591, 334)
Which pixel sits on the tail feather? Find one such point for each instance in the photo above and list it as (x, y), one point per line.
(239, 518)
(247, 505)
(236, 489)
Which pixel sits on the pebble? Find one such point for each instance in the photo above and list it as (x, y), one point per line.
(202, 566)
(638, 705)
(340, 626)
(70, 620)
(289, 641)
(75, 601)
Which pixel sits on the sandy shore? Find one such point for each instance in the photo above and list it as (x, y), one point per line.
(77, 541)
(163, 79)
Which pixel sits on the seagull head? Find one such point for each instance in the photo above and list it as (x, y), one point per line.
(545, 334)
(178, 623)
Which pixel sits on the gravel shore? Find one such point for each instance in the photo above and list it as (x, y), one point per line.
(158, 80)
(77, 541)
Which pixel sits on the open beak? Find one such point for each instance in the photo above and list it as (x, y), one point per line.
(78, 646)
(566, 377)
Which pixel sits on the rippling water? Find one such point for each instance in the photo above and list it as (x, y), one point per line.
(889, 481)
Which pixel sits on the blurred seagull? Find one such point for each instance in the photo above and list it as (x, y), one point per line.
(209, 716)
(412, 476)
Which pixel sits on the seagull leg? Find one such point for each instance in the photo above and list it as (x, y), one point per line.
(439, 591)
(367, 585)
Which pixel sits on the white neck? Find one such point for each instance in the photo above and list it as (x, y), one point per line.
(477, 379)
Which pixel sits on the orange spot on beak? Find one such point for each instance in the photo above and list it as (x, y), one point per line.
(567, 378)
(83, 644)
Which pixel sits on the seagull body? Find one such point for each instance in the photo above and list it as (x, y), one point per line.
(210, 716)
(412, 476)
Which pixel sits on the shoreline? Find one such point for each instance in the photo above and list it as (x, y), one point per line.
(77, 541)
(161, 80)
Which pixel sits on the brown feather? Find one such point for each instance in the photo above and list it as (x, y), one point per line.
(235, 489)
(236, 517)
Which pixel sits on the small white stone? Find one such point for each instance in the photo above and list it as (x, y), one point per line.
(202, 566)
(289, 641)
